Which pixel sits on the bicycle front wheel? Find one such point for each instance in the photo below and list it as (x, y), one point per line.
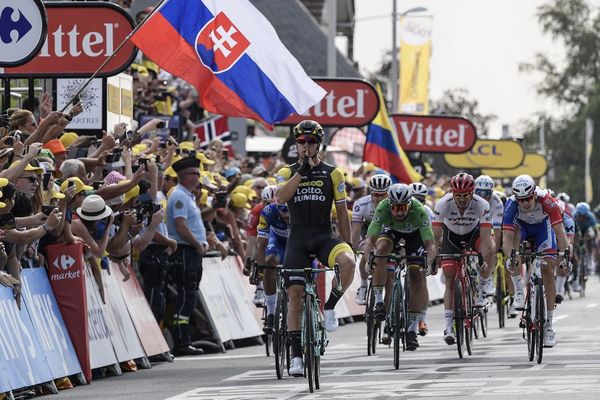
(397, 321)
(582, 276)
(540, 319)
(458, 317)
(371, 323)
(500, 296)
(309, 342)
(469, 319)
(530, 324)
(280, 334)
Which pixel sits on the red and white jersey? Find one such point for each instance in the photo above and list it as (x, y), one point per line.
(477, 214)
(545, 207)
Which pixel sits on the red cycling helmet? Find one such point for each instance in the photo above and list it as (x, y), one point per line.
(462, 183)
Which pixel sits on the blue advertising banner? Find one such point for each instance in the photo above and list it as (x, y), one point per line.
(20, 349)
(48, 323)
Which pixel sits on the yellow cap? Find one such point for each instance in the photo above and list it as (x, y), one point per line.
(30, 167)
(203, 159)
(2, 205)
(131, 193)
(368, 166)
(79, 185)
(271, 180)
(186, 146)
(68, 138)
(249, 183)
(358, 183)
(170, 172)
(248, 192)
(3, 182)
(138, 148)
(239, 200)
(57, 195)
(203, 197)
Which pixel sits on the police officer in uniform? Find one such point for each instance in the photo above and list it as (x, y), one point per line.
(185, 226)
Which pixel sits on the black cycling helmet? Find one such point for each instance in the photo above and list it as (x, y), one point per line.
(310, 128)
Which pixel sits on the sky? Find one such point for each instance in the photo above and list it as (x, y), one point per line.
(477, 45)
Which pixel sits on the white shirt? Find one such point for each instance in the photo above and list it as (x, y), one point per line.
(476, 214)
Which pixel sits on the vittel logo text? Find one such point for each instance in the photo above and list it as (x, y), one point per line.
(342, 106)
(428, 135)
(73, 44)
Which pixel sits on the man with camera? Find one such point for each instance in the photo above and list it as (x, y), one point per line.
(185, 226)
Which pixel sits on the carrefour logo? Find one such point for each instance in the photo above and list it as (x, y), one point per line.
(23, 28)
(63, 263)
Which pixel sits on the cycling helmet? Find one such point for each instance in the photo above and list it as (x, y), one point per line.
(419, 189)
(310, 128)
(582, 208)
(268, 193)
(380, 183)
(399, 193)
(484, 182)
(564, 197)
(462, 183)
(523, 186)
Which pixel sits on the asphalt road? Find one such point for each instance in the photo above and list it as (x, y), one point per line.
(498, 368)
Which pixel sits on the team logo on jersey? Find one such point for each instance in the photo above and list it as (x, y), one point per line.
(341, 187)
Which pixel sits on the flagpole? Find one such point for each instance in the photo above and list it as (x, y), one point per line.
(119, 47)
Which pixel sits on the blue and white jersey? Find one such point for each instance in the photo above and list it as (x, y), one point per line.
(271, 223)
(585, 221)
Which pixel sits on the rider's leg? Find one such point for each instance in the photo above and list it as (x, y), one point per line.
(270, 285)
(383, 247)
(418, 298)
(448, 267)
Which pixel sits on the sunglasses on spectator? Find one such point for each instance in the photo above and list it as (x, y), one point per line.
(400, 207)
(525, 199)
(31, 179)
(462, 195)
(306, 141)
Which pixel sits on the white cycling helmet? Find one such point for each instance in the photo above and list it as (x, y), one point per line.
(523, 186)
(564, 197)
(380, 183)
(484, 182)
(419, 189)
(399, 193)
(268, 193)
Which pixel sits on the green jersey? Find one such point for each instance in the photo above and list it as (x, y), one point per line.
(416, 219)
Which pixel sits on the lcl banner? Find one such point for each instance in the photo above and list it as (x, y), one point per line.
(81, 36)
(534, 165)
(497, 154)
(349, 102)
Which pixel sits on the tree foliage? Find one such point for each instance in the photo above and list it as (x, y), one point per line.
(575, 85)
(458, 102)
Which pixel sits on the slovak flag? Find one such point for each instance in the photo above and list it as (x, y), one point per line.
(232, 55)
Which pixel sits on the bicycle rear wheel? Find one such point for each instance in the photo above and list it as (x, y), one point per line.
(582, 275)
(370, 320)
(397, 321)
(500, 305)
(483, 315)
(540, 319)
(280, 334)
(458, 317)
(321, 342)
(309, 342)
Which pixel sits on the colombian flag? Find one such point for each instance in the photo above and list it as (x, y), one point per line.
(383, 149)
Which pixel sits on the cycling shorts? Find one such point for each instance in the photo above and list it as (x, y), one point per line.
(413, 244)
(541, 233)
(451, 244)
(304, 241)
(276, 247)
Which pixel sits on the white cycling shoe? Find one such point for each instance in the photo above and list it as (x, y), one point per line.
(549, 337)
(519, 300)
(330, 321)
(297, 367)
(488, 287)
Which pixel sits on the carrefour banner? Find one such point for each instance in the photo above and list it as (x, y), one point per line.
(415, 52)
(48, 323)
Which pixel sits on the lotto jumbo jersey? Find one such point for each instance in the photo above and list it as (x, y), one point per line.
(311, 203)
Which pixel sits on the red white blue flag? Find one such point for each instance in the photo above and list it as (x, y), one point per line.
(232, 55)
(211, 129)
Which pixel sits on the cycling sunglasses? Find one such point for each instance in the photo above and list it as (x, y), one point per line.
(400, 207)
(379, 195)
(307, 141)
(462, 195)
(483, 192)
(525, 199)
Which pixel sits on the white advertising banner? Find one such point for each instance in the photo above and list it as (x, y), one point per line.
(91, 100)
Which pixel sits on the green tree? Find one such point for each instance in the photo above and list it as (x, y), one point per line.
(459, 102)
(575, 86)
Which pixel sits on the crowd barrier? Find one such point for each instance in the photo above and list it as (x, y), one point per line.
(64, 329)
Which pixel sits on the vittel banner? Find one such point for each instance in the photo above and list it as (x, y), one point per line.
(434, 134)
(349, 102)
(81, 36)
